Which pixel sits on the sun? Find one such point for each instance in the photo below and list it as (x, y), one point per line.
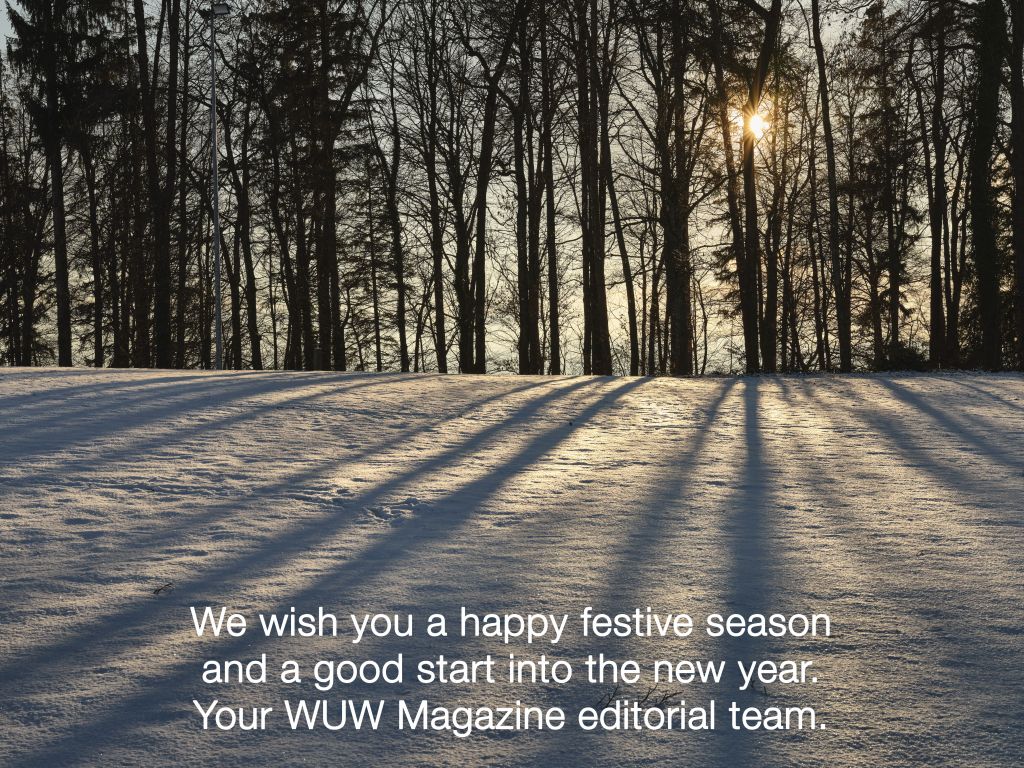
(757, 125)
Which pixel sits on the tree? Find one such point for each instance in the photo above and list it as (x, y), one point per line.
(579, 186)
(841, 271)
(1016, 55)
(771, 19)
(49, 35)
(989, 35)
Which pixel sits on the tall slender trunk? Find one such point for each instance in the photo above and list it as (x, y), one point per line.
(675, 205)
(535, 214)
(245, 224)
(430, 139)
(840, 287)
(304, 233)
(397, 249)
(293, 345)
(655, 315)
(96, 255)
(323, 286)
(54, 150)
(159, 208)
(372, 254)
(990, 34)
(548, 171)
(520, 147)
(339, 355)
(732, 190)
(627, 270)
(238, 167)
(752, 248)
(894, 255)
(956, 259)
(597, 343)
(168, 356)
(938, 209)
(116, 279)
(232, 266)
(1017, 165)
(773, 238)
(464, 290)
(812, 251)
(483, 180)
(183, 219)
(326, 190)
(752, 258)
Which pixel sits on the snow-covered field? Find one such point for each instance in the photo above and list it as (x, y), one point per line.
(894, 503)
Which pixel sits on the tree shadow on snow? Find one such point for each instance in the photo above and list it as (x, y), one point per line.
(914, 591)
(113, 725)
(642, 556)
(149, 405)
(295, 540)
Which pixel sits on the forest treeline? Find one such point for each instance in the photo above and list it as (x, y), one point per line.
(540, 186)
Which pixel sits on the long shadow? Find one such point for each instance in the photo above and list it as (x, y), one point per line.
(634, 558)
(141, 385)
(150, 392)
(853, 540)
(637, 557)
(416, 535)
(299, 539)
(207, 397)
(997, 549)
(1016, 405)
(947, 473)
(927, 594)
(750, 586)
(954, 425)
(40, 400)
(169, 531)
(25, 371)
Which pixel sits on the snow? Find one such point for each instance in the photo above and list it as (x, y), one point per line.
(893, 503)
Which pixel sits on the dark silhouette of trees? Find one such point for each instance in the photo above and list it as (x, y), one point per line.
(596, 186)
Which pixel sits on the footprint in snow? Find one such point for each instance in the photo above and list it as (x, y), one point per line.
(392, 514)
(384, 515)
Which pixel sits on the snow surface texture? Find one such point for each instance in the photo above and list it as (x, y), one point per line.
(894, 503)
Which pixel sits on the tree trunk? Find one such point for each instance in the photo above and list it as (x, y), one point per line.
(1017, 166)
(235, 289)
(597, 343)
(524, 280)
(89, 171)
(395, 221)
(940, 205)
(483, 180)
(54, 157)
(239, 170)
(990, 33)
(840, 287)
(627, 271)
(160, 210)
(372, 255)
(675, 205)
(548, 171)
